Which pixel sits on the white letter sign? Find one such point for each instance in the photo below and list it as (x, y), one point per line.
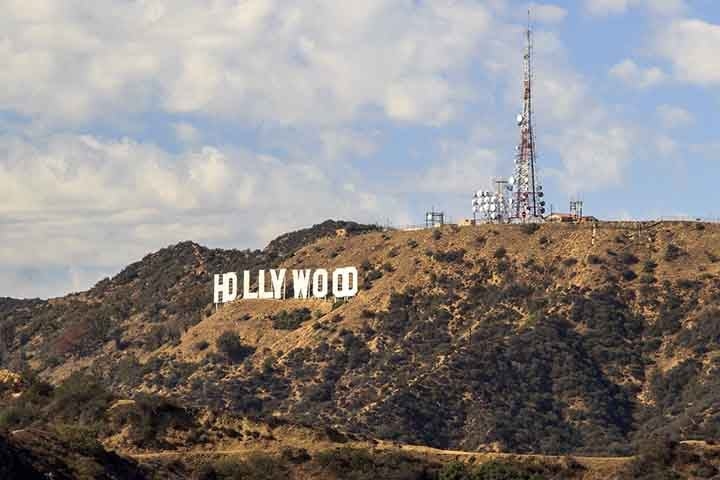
(306, 282)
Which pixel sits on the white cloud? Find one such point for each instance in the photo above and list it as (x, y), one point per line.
(186, 133)
(607, 7)
(665, 146)
(611, 7)
(345, 143)
(635, 76)
(463, 170)
(691, 46)
(674, 117)
(547, 13)
(593, 158)
(256, 61)
(83, 204)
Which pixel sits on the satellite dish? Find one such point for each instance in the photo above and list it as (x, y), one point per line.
(511, 181)
(429, 216)
(520, 119)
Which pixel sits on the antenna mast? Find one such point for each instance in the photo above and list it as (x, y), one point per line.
(527, 203)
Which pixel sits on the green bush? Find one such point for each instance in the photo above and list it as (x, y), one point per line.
(255, 467)
(673, 252)
(149, 418)
(291, 320)
(628, 258)
(80, 399)
(360, 464)
(496, 470)
(594, 260)
(569, 262)
(80, 439)
(500, 253)
(629, 275)
(230, 345)
(530, 228)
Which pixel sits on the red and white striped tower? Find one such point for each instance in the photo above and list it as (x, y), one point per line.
(527, 204)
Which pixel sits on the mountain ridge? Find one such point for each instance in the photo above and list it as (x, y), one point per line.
(548, 339)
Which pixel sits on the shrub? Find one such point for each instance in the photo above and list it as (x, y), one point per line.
(80, 399)
(437, 234)
(569, 262)
(500, 470)
(653, 461)
(455, 471)
(230, 345)
(647, 279)
(291, 320)
(594, 260)
(201, 345)
(629, 275)
(412, 243)
(530, 228)
(294, 455)
(80, 439)
(543, 240)
(360, 464)
(673, 252)
(149, 418)
(500, 253)
(16, 416)
(628, 258)
(373, 275)
(387, 266)
(649, 266)
(451, 256)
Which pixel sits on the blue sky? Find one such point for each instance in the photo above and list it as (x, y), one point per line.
(129, 126)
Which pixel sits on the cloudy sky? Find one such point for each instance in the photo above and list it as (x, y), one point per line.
(128, 125)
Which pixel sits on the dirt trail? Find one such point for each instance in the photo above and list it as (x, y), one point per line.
(593, 463)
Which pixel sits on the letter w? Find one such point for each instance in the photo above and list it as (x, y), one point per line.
(301, 282)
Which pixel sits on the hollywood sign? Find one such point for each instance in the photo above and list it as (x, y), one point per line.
(319, 283)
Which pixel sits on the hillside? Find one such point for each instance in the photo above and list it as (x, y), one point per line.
(488, 338)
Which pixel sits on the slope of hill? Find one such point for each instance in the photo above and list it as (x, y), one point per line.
(491, 338)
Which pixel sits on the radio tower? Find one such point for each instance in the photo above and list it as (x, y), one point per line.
(527, 205)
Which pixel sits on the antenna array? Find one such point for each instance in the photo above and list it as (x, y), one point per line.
(525, 203)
